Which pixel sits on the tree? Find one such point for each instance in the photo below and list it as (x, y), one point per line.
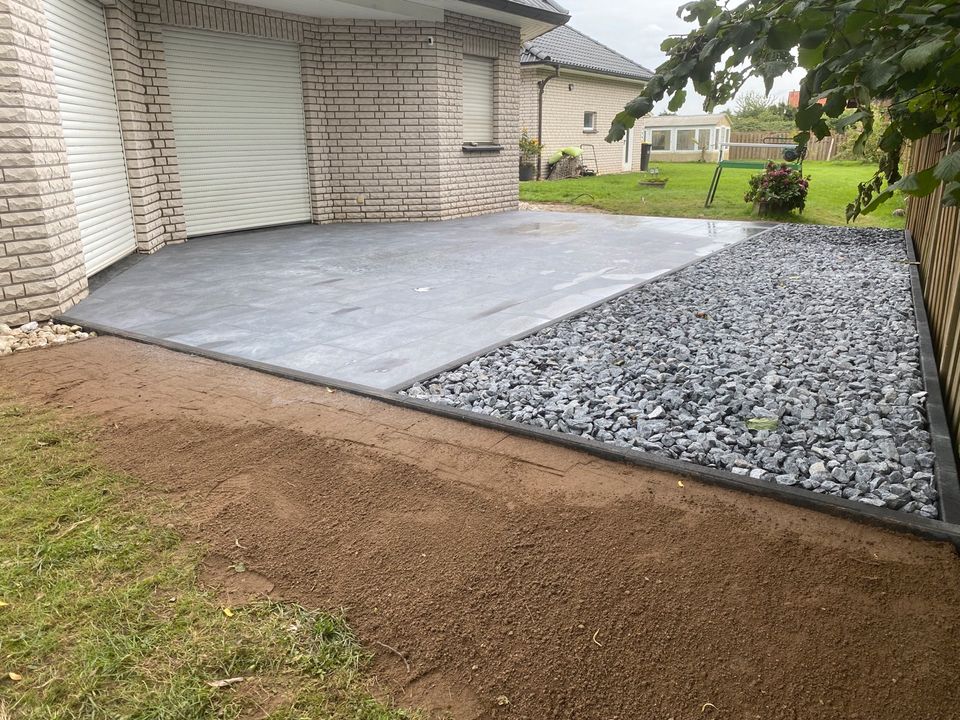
(905, 52)
(755, 112)
(870, 151)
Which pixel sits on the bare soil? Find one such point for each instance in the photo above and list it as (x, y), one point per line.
(517, 579)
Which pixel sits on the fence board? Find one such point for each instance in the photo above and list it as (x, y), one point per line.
(936, 236)
(816, 149)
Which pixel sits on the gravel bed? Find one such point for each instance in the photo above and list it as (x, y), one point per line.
(792, 357)
(33, 335)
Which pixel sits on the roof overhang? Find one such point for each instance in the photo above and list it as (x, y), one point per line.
(531, 21)
(574, 70)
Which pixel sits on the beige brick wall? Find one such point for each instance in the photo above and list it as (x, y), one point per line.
(477, 183)
(41, 264)
(140, 78)
(382, 109)
(563, 111)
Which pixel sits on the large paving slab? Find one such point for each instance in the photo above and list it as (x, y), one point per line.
(384, 305)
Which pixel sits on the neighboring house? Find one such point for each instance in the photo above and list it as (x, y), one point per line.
(582, 84)
(686, 138)
(132, 124)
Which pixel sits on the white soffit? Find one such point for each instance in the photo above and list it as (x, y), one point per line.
(357, 9)
(423, 10)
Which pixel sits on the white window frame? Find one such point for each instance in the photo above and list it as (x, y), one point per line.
(592, 127)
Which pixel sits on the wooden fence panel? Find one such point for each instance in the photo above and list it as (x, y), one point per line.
(816, 149)
(936, 237)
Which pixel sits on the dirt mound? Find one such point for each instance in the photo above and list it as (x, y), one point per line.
(518, 580)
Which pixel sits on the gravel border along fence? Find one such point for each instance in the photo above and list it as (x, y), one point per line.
(792, 357)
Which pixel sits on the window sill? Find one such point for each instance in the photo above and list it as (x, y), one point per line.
(588, 131)
(471, 147)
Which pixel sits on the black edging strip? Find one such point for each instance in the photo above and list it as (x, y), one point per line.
(882, 517)
(945, 469)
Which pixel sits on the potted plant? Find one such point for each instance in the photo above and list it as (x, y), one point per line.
(779, 189)
(653, 178)
(530, 149)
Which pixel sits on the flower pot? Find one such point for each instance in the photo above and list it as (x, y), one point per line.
(764, 208)
(528, 171)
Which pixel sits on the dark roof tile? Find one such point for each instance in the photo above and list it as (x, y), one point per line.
(570, 48)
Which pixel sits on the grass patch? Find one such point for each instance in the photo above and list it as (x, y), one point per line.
(102, 615)
(832, 186)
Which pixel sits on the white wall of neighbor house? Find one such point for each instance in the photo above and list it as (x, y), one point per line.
(567, 99)
(382, 115)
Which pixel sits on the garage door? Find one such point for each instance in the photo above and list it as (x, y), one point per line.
(238, 123)
(91, 130)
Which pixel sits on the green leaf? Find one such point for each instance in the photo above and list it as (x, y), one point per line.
(948, 168)
(852, 119)
(638, 107)
(810, 57)
(677, 101)
(813, 39)
(916, 58)
(951, 194)
(875, 203)
(918, 184)
(806, 117)
(783, 36)
(877, 74)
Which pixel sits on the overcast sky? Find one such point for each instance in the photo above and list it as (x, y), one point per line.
(637, 29)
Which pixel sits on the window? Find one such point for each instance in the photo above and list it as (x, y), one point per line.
(703, 139)
(660, 139)
(686, 140)
(589, 122)
(477, 99)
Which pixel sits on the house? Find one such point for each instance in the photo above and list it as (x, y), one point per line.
(686, 138)
(132, 124)
(572, 87)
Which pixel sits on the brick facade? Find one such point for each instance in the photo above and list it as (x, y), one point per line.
(41, 261)
(563, 111)
(382, 110)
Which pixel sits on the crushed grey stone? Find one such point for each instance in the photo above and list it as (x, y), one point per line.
(812, 327)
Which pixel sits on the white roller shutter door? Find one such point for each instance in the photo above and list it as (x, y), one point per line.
(91, 130)
(477, 99)
(238, 123)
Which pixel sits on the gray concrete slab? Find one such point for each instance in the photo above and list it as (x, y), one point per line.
(381, 305)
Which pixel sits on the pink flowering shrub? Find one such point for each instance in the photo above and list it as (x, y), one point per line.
(778, 189)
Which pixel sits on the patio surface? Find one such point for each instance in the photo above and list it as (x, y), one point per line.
(384, 305)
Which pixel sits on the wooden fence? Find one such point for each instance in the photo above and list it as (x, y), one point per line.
(936, 238)
(816, 149)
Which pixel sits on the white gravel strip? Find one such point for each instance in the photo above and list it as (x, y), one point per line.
(807, 331)
(33, 335)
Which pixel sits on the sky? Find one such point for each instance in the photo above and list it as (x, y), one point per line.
(636, 29)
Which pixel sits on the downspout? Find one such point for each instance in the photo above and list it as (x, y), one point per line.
(541, 86)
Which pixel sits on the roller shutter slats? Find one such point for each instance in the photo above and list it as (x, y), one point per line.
(91, 130)
(238, 122)
(477, 99)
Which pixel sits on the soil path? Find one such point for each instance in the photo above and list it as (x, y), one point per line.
(505, 568)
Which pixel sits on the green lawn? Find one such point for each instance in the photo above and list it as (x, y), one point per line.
(101, 614)
(832, 186)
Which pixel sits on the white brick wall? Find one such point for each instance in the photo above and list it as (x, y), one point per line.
(563, 111)
(41, 264)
